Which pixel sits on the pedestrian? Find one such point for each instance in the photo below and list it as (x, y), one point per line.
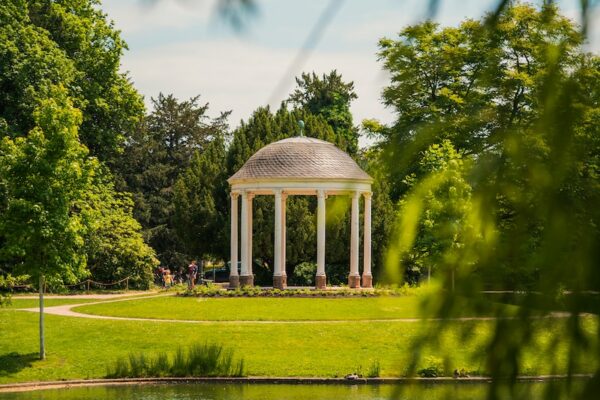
(192, 272)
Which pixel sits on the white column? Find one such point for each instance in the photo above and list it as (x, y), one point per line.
(321, 233)
(283, 237)
(367, 277)
(354, 278)
(244, 229)
(233, 271)
(249, 233)
(278, 234)
(320, 279)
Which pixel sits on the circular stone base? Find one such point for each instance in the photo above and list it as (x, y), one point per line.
(247, 280)
(321, 281)
(234, 281)
(279, 282)
(367, 281)
(354, 281)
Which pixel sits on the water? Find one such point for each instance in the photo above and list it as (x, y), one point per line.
(220, 391)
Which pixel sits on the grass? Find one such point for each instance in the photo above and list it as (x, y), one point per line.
(208, 359)
(34, 303)
(262, 309)
(85, 348)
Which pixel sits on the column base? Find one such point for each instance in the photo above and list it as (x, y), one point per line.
(354, 281)
(234, 281)
(367, 281)
(320, 281)
(247, 280)
(279, 282)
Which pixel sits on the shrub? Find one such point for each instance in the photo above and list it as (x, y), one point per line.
(304, 274)
(198, 360)
(374, 370)
(434, 368)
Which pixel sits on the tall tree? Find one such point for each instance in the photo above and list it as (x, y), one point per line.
(156, 154)
(470, 84)
(45, 176)
(535, 147)
(201, 205)
(75, 45)
(329, 97)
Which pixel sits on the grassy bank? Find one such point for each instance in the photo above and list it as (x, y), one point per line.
(85, 348)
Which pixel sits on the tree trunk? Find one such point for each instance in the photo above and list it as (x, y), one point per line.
(42, 339)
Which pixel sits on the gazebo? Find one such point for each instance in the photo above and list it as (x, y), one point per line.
(307, 167)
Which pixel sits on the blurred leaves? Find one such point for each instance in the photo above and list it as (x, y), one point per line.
(517, 96)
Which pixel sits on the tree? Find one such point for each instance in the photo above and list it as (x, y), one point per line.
(44, 177)
(535, 151)
(201, 203)
(70, 44)
(111, 107)
(330, 98)
(470, 84)
(156, 154)
(114, 244)
(443, 212)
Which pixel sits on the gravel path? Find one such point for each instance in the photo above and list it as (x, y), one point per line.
(67, 311)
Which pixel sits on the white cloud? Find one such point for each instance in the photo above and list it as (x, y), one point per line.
(241, 75)
(135, 17)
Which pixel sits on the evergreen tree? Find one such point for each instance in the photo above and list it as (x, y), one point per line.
(158, 152)
(201, 204)
(329, 97)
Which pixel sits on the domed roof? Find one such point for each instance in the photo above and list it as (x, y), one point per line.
(299, 158)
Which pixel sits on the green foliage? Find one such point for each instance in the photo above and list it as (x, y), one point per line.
(201, 203)
(374, 370)
(329, 97)
(518, 95)
(170, 144)
(71, 43)
(471, 84)
(114, 245)
(45, 176)
(6, 285)
(304, 274)
(434, 367)
(442, 212)
(197, 360)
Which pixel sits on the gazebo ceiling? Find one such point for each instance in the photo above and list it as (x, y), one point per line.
(300, 158)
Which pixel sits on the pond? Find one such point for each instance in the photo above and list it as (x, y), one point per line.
(221, 391)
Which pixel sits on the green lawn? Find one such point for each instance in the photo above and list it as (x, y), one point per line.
(260, 308)
(31, 303)
(83, 348)
(264, 309)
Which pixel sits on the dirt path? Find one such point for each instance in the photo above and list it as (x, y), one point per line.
(67, 311)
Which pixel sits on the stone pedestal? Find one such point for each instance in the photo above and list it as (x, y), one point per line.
(279, 282)
(234, 282)
(247, 280)
(320, 281)
(367, 281)
(354, 281)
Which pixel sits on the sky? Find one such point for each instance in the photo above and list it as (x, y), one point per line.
(185, 48)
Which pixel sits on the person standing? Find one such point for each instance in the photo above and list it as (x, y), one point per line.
(192, 273)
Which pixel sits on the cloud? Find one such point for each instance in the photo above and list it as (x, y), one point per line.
(138, 17)
(238, 75)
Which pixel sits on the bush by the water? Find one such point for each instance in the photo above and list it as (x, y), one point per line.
(197, 360)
